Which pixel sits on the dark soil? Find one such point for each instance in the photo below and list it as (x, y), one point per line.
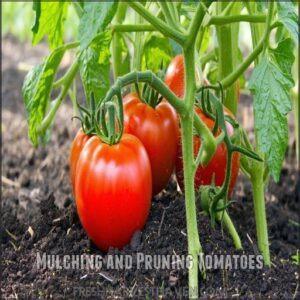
(39, 215)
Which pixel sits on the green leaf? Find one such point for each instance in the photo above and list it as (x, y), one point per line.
(157, 53)
(36, 91)
(271, 89)
(287, 15)
(94, 66)
(50, 17)
(96, 17)
(283, 55)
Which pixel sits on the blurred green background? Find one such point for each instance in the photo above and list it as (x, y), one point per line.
(18, 18)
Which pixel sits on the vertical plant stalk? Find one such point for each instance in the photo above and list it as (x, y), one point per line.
(194, 246)
(138, 45)
(228, 53)
(258, 188)
(116, 45)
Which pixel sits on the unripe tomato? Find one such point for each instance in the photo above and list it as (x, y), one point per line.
(113, 188)
(158, 130)
(217, 166)
(78, 143)
(174, 78)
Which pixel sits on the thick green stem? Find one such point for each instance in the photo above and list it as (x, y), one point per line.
(169, 17)
(255, 28)
(223, 20)
(189, 66)
(196, 22)
(158, 24)
(258, 188)
(225, 218)
(138, 46)
(228, 53)
(194, 246)
(116, 45)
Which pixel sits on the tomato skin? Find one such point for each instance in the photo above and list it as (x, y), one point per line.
(217, 166)
(78, 143)
(174, 78)
(158, 130)
(113, 190)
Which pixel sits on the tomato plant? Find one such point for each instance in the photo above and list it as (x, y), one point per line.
(157, 128)
(113, 190)
(135, 51)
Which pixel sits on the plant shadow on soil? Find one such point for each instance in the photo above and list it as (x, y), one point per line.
(37, 193)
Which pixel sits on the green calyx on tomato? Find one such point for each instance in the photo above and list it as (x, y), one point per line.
(86, 116)
(149, 95)
(93, 122)
(158, 129)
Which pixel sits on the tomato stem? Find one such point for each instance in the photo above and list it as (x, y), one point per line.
(260, 212)
(116, 45)
(158, 24)
(194, 246)
(228, 52)
(169, 17)
(224, 20)
(226, 220)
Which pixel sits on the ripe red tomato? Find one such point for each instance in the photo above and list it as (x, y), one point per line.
(78, 143)
(174, 78)
(158, 130)
(217, 166)
(113, 189)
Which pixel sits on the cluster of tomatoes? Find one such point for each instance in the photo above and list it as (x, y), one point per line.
(114, 184)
